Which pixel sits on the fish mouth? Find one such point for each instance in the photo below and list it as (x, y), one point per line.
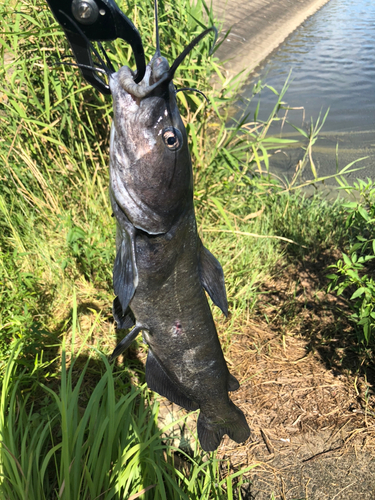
(158, 74)
(155, 81)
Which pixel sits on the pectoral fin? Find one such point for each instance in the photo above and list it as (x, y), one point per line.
(212, 278)
(125, 273)
(125, 276)
(125, 342)
(159, 381)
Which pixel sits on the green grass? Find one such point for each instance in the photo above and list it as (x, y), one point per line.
(72, 438)
(264, 231)
(72, 426)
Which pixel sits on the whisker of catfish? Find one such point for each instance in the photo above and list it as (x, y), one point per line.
(78, 65)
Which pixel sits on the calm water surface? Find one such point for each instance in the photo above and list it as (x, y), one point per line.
(332, 57)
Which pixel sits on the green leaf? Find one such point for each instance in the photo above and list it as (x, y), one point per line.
(358, 293)
(363, 213)
(256, 111)
(222, 212)
(301, 131)
(347, 260)
(353, 274)
(351, 205)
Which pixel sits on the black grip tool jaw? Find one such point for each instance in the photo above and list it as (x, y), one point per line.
(84, 21)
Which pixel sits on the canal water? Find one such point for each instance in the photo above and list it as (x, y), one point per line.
(332, 59)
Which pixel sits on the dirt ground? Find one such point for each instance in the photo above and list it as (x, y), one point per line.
(307, 393)
(312, 421)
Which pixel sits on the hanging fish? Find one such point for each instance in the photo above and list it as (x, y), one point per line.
(162, 268)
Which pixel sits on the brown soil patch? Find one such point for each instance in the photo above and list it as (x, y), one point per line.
(307, 391)
(301, 413)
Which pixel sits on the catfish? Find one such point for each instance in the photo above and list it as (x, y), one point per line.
(162, 270)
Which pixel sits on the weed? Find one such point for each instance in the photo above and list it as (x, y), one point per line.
(354, 272)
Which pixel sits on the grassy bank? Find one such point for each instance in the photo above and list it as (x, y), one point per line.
(65, 413)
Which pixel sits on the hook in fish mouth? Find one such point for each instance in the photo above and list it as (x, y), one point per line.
(162, 74)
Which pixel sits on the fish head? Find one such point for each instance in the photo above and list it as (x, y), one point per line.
(150, 165)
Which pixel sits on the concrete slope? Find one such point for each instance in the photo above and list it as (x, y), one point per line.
(258, 27)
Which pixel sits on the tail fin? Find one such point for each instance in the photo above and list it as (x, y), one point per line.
(210, 433)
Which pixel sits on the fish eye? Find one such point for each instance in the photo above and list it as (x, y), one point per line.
(172, 138)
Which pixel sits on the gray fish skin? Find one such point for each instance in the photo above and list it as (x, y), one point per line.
(150, 183)
(162, 268)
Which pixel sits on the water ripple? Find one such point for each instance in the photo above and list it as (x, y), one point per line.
(332, 56)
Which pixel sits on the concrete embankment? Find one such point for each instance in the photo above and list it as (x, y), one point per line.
(258, 27)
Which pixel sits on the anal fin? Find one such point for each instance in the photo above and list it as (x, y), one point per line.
(212, 278)
(158, 380)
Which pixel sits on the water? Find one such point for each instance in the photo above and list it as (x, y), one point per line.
(332, 57)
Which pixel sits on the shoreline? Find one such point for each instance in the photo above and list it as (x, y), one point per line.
(258, 27)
